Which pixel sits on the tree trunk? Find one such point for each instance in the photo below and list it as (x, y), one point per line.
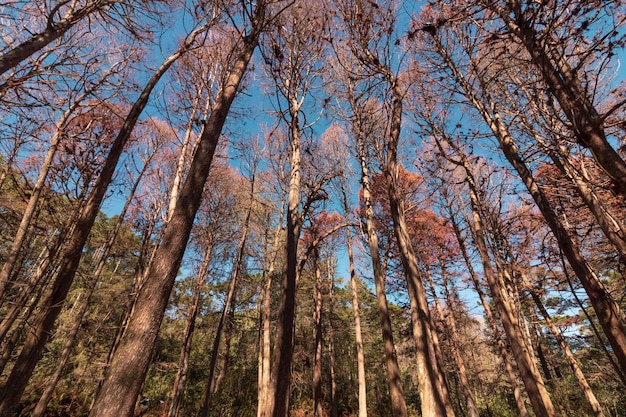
(33, 201)
(317, 337)
(491, 320)
(564, 84)
(609, 314)
(211, 386)
(398, 404)
(265, 387)
(51, 308)
(334, 412)
(593, 327)
(70, 338)
(183, 363)
(472, 409)
(435, 400)
(569, 355)
(229, 326)
(120, 391)
(283, 345)
(360, 356)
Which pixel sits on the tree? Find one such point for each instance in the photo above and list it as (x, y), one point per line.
(119, 393)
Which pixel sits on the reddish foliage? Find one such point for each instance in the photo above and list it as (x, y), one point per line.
(431, 236)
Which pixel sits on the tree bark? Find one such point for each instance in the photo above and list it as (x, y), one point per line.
(491, 320)
(230, 298)
(567, 352)
(283, 345)
(38, 187)
(120, 391)
(360, 355)
(566, 86)
(317, 337)
(609, 314)
(183, 363)
(334, 412)
(434, 396)
(70, 338)
(44, 322)
(506, 310)
(265, 387)
(472, 409)
(398, 404)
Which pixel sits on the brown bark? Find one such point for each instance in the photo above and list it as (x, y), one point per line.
(120, 391)
(491, 320)
(565, 85)
(434, 396)
(450, 320)
(608, 313)
(265, 337)
(398, 404)
(612, 227)
(539, 397)
(334, 411)
(44, 322)
(211, 386)
(317, 337)
(178, 388)
(360, 355)
(592, 326)
(38, 187)
(70, 338)
(283, 346)
(569, 355)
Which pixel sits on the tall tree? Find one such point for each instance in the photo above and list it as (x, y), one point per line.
(293, 53)
(554, 36)
(36, 340)
(119, 392)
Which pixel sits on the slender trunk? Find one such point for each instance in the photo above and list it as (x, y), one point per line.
(569, 355)
(360, 356)
(33, 201)
(434, 396)
(593, 327)
(182, 157)
(505, 307)
(564, 84)
(472, 409)
(41, 405)
(283, 346)
(612, 227)
(36, 282)
(528, 371)
(317, 337)
(7, 162)
(398, 404)
(183, 363)
(120, 391)
(229, 326)
(608, 312)
(334, 412)
(138, 279)
(265, 387)
(44, 322)
(211, 386)
(491, 320)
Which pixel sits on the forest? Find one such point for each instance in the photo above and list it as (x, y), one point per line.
(345, 208)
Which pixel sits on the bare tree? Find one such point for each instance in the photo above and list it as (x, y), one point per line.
(119, 392)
